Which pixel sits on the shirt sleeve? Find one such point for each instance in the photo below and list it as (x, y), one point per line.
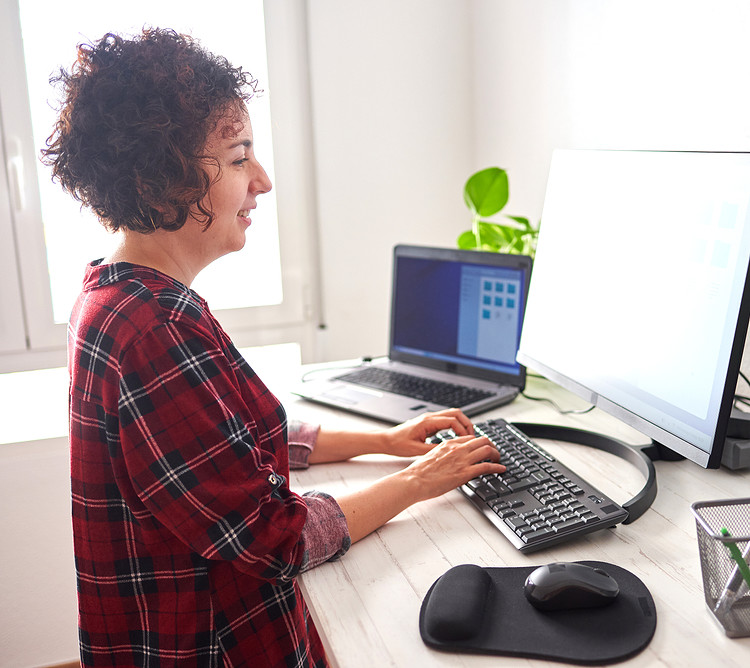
(192, 448)
(326, 533)
(302, 439)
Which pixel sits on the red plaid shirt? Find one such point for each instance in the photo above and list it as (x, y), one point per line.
(187, 538)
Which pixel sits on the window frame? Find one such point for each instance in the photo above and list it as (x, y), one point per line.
(29, 337)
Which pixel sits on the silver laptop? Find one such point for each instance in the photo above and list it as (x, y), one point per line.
(456, 320)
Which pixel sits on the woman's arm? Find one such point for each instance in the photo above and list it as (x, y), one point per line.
(438, 469)
(442, 469)
(405, 440)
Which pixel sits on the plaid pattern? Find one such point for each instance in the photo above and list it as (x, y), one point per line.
(187, 538)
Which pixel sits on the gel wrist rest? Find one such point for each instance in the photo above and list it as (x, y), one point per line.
(479, 610)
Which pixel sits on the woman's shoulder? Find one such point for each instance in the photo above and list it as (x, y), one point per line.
(130, 299)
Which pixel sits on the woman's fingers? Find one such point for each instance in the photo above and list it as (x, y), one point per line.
(455, 462)
(451, 418)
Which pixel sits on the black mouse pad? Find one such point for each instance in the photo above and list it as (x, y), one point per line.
(484, 610)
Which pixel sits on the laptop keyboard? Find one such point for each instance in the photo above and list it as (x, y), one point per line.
(424, 389)
(538, 502)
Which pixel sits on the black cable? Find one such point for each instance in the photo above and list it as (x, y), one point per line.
(557, 408)
(739, 398)
(335, 365)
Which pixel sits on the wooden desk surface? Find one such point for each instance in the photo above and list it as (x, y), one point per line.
(366, 605)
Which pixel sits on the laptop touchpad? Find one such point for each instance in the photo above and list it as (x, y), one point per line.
(349, 395)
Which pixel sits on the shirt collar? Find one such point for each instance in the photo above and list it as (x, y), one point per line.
(99, 275)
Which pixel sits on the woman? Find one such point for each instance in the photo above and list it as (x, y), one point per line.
(187, 536)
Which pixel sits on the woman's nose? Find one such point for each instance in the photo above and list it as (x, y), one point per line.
(261, 183)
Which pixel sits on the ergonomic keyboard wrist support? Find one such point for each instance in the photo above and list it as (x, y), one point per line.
(641, 458)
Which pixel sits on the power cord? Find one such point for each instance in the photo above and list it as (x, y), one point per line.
(581, 411)
(557, 408)
(739, 398)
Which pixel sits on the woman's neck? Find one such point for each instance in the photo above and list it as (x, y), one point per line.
(159, 250)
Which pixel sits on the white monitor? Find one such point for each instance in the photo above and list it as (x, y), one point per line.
(639, 292)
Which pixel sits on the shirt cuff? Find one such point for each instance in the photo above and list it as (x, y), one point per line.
(302, 439)
(326, 533)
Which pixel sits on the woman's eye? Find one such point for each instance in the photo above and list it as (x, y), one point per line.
(240, 162)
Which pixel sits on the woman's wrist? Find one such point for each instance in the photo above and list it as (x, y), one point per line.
(371, 507)
(336, 446)
(370, 442)
(409, 485)
(384, 441)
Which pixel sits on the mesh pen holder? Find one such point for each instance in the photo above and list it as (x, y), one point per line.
(724, 579)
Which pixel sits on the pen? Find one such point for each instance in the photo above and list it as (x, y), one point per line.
(739, 573)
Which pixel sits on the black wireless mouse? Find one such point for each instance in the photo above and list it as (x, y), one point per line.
(568, 586)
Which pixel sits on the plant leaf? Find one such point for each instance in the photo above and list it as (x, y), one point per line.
(518, 245)
(466, 240)
(524, 222)
(486, 191)
(493, 234)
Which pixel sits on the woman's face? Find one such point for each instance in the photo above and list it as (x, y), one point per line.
(231, 198)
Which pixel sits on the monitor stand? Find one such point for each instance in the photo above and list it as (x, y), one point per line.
(736, 453)
(642, 457)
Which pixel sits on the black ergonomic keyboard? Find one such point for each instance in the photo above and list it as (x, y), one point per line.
(538, 502)
(424, 389)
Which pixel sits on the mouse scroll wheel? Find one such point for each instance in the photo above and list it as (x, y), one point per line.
(601, 572)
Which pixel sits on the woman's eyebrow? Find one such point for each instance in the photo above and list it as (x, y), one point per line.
(247, 143)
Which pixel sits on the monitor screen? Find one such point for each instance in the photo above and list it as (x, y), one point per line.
(638, 299)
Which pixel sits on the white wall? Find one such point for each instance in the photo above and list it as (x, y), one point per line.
(393, 126)
(661, 74)
(38, 612)
(521, 100)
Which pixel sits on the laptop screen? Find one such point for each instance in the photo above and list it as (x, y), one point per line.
(462, 310)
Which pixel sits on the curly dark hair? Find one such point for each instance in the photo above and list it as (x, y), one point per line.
(133, 124)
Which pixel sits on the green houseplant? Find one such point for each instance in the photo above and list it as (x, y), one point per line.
(486, 193)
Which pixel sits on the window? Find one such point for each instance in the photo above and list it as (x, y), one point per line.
(257, 293)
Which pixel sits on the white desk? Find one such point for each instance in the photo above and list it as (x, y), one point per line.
(366, 605)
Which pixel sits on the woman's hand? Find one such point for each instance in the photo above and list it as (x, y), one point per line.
(453, 463)
(443, 468)
(408, 439)
(405, 440)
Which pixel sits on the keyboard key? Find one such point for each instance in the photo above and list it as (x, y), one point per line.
(516, 522)
(521, 484)
(569, 524)
(544, 531)
(499, 486)
(485, 492)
